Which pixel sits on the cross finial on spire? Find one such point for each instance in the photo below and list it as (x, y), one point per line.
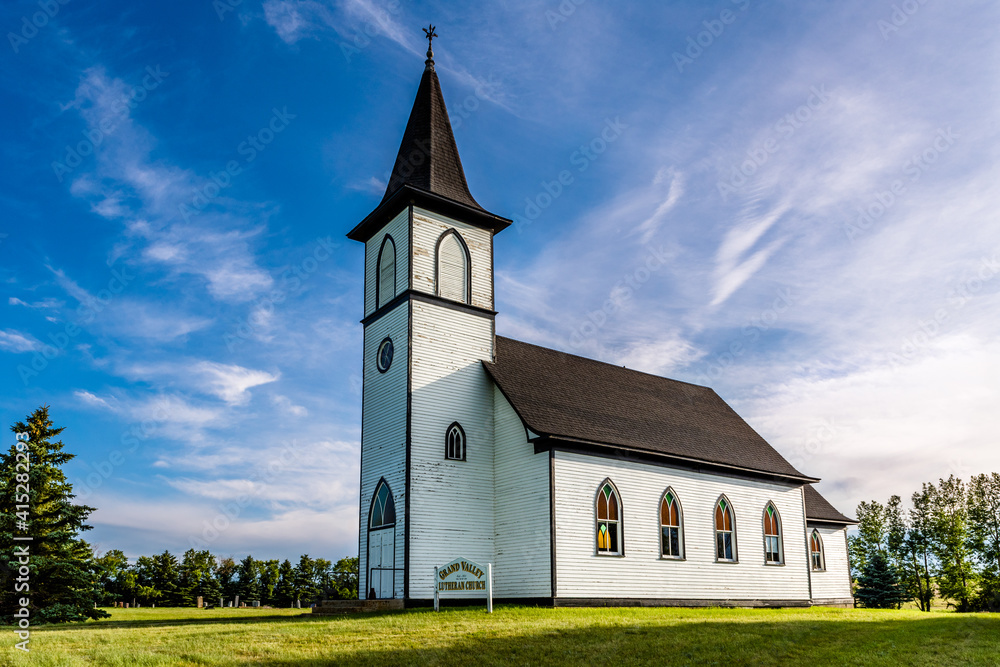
(429, 31)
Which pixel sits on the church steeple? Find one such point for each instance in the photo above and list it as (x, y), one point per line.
(428, 156)
(428, 169)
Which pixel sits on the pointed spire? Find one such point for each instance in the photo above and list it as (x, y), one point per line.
(428, 171)
(428, 156)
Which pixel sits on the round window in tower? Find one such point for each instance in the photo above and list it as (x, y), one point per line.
(384, 355)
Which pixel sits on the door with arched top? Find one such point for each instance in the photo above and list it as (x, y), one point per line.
(382, 544)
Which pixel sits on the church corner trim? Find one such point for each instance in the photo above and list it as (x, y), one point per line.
(409, 439)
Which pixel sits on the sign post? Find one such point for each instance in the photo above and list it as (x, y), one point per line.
(462, 574)
(437, 595)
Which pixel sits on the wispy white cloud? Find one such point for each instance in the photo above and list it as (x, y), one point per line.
(18, 341)
(231, 383)
(147, 197)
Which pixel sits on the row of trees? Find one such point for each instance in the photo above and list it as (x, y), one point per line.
(167, 581)
(947, 544)
(56, 577)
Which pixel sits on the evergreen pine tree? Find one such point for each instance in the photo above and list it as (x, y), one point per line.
(284, 592)
(249, 585)
(878, 585)
(62, 579)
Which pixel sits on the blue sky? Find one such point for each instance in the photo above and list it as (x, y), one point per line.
(793, 202)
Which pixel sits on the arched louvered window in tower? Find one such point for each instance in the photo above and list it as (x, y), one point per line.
(725, 531)
(609, 520)
(671, 529)
(454, 442)
(772, 536)
(385, 286)
(453, 267)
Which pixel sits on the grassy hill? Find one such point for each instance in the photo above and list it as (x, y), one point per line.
(518, 636)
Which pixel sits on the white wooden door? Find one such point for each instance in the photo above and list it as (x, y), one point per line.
(381, 559)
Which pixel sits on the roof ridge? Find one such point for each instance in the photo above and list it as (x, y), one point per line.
(608, 363)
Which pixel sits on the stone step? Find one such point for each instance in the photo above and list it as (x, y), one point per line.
(356, 606)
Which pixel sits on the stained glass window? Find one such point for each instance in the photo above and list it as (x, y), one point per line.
(816, 551)
(670, 525)
(455, 442)
(383, 512)
(608, 520)
(725, 531)
(772, 535)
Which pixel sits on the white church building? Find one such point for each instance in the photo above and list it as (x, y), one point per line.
(582, 482)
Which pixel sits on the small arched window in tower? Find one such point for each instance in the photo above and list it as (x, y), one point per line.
(385, 286)
(725, 531)
(772, 536)
(454, 443)
(453, 267)
(816, 551)
(609, 520)
(670, 526)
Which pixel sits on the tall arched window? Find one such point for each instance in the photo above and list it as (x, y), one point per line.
(816, 551)
(773, 552)
(454, 443)
(385, 286)
(453, 267)
(671, 537)
(609, 520)
(725, 531)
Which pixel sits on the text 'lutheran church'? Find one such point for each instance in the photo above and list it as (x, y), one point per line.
(583, 483)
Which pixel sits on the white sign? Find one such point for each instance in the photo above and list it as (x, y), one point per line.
(461, 575)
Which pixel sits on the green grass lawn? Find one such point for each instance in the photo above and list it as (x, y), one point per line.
(519, 636)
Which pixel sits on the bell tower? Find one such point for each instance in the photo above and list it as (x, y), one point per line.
(427, 405)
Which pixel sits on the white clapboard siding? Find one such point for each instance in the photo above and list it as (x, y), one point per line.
(833, 583)
(451, 506)
(641, 573)
(399, 229)
(383, 437)
(521, 507)
(427, 230)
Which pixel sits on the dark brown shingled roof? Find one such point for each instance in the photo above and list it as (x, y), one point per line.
(819, 508)
(568, 397)
(428, 171)
(428, 157)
